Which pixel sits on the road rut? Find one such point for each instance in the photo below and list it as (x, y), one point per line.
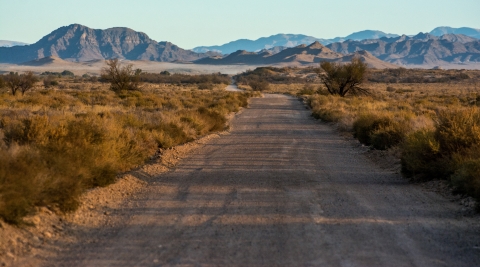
(281, 189)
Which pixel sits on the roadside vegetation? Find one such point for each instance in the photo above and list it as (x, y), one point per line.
(431, 118)
(434, 125)
(69, 134)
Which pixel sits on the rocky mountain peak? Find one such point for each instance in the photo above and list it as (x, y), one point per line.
(76, 42)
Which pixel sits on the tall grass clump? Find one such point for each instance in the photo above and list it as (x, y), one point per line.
(56, 144)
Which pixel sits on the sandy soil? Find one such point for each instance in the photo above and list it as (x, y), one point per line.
(280, 190)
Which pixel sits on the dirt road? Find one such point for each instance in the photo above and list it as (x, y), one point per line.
(281, 190)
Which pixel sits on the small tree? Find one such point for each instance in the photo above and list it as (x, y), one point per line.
(121, 77)
(27, 81)
(12, 81)
(341, 79)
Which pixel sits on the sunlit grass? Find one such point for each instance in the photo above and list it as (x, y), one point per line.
(57, 143)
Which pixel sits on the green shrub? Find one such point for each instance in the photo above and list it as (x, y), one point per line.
(387, 136)
(458, 130)
(421, 155)
(366, 124)
(467, 178)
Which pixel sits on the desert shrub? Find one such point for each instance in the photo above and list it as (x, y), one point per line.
(203, 86)
(307, 89)
(380, 131)
(259, 85)
(367, 123)
(214, 120)
(466, 177)
(170, 134)
(121, 78)
(27, 131)
(458, 130)
(341, 79)
(326, 107)
(328, 115)
(20, 177)
(49, 81)
(421, 155)
(387, 136)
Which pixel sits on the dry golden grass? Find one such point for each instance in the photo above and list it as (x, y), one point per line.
(435, 125)
(56, 143)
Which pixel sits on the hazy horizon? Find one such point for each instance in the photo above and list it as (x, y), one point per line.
(213, 22)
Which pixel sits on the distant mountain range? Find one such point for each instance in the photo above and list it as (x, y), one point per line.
(80, 43)
(292, 40)
(299, 55)
(286, 40)
(422, 49)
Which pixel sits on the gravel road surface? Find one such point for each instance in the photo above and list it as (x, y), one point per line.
(281, 190)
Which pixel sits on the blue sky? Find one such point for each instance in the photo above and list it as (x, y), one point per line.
(191, 23)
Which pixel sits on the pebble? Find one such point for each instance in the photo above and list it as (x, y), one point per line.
(47, 234)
